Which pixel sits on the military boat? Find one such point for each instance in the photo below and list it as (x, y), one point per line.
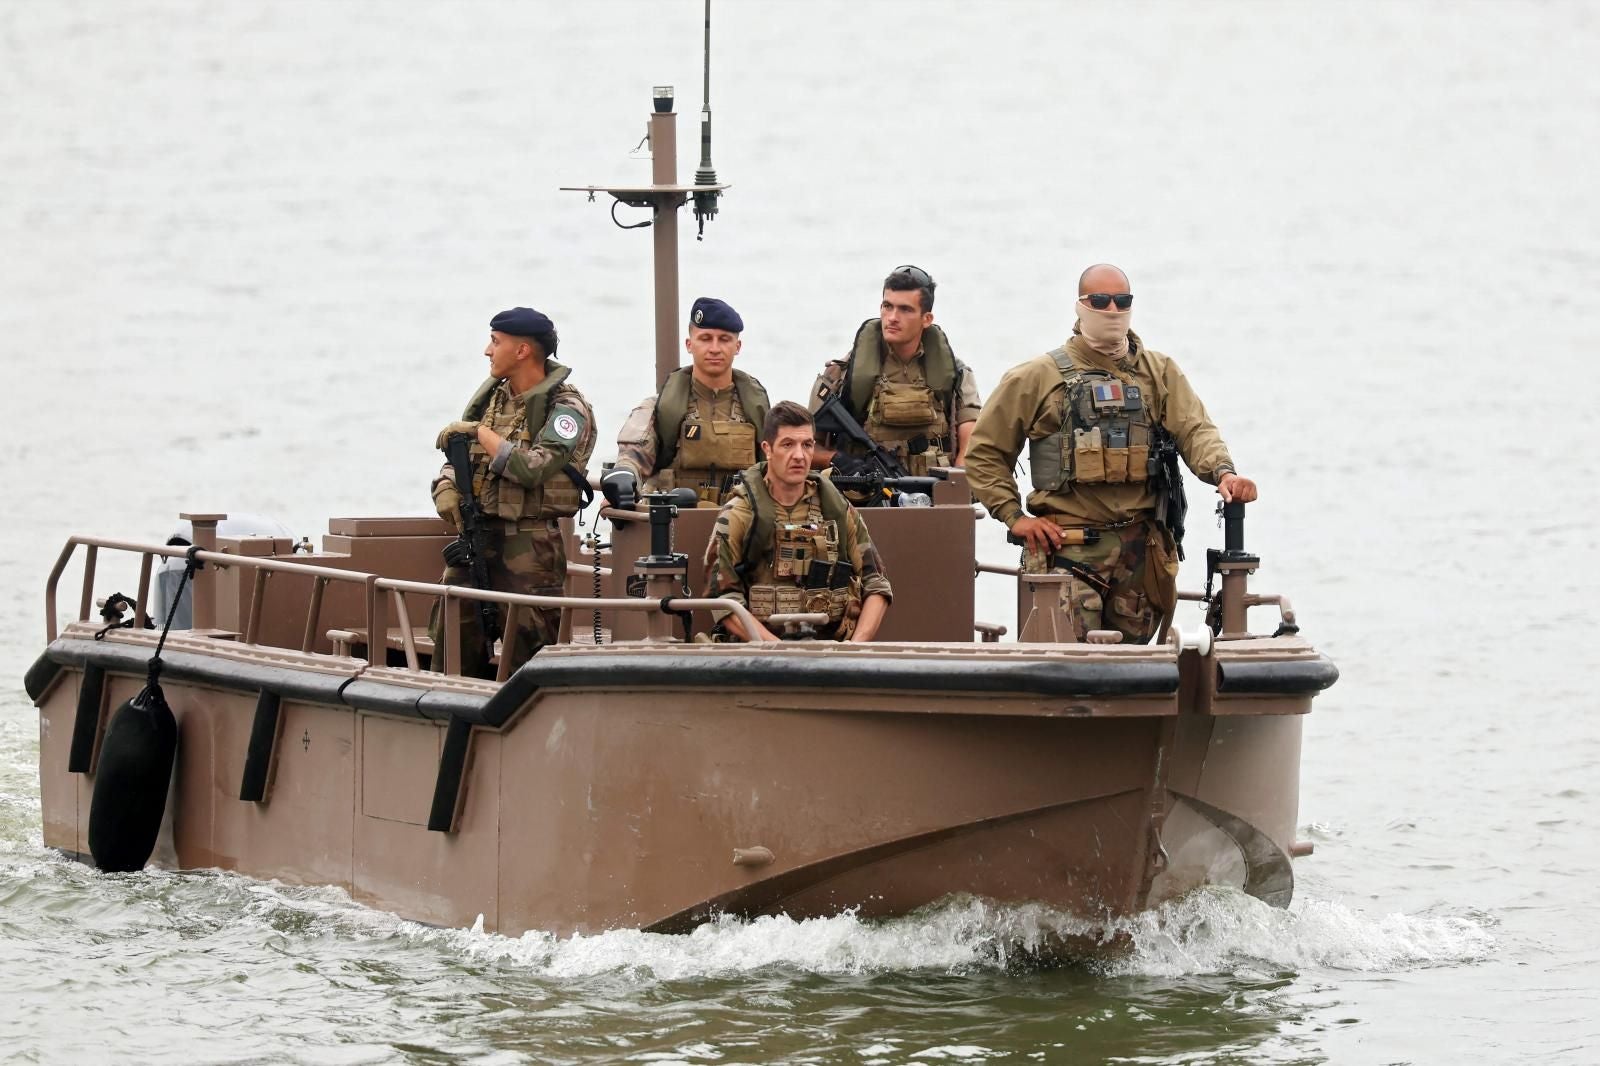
(632, 775)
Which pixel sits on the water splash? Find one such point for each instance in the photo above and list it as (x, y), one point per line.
(1214, 931)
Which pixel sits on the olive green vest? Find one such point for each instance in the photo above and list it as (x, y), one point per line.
(672, 407)
(549, 500)
(866, 363)
(537, 403)
(759, 541)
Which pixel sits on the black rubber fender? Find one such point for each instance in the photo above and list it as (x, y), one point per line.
(131, 782)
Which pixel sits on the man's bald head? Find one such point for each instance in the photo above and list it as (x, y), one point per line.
(1103, 277)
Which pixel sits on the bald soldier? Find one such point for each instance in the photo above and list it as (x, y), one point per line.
(532, 435)
(701, 429)
(788, 542)
(902, 383)
(1093, 413)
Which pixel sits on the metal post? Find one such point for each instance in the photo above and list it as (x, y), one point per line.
(203, 586)
(664, 171)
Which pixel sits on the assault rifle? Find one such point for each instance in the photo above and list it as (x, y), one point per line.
(888, 491)
(834, 417)
(1172, 503)
(470, 547)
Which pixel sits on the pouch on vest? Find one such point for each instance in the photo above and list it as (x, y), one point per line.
(715, 445)
(795, 548)
(905, 405)
(768, 600)
(1089, 456)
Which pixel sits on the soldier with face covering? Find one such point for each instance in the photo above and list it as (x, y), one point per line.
(1091, 414)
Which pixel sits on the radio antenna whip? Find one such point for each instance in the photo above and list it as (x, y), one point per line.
(705, 203)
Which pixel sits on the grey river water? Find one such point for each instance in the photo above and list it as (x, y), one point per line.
(247, 256)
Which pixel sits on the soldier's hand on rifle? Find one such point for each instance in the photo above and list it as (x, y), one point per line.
(1041, 534)
(458, 552)
(1233, 487)
(851, 465)
(447, 501)
(620, 488)
(467, 429)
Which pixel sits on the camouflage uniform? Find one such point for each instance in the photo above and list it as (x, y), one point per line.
(1134, 564)
(901, 380)
(726, 553)
(707, 413)
(524, 491)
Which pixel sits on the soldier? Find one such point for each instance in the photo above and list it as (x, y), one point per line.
(903, 384)
(787, 542)
(1093, 413)
(701, 429)
(532, 436)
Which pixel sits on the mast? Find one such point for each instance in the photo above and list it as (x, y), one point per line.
(663, 196)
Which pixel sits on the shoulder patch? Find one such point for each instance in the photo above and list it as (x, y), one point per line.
(566, 425)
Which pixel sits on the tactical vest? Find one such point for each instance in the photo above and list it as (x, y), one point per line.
(564, 494)
(789, 568)
(702, 453)
(896, 414)
(1105, 435)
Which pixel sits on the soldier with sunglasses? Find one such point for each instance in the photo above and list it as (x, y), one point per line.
(1093, 414)
(902, 382)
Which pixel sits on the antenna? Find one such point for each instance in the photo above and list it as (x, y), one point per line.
(705, 203)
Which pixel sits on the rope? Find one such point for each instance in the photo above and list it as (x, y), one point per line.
(153, 674)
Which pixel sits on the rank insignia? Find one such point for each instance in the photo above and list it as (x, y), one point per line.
(691, 431)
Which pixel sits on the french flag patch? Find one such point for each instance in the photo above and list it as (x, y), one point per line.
(1108, 393)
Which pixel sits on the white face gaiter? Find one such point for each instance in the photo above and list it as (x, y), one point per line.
(1106, 331)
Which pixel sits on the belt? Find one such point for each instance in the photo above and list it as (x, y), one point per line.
(530, 525)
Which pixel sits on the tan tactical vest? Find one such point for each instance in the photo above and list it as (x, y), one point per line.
(897, 413)
(702, 453)
(1105, 433)
(503, 497)
(797, 568)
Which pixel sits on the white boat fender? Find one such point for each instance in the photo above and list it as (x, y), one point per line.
(135, 769)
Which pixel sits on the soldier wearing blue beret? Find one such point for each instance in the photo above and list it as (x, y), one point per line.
(702, 428)
(532, 434)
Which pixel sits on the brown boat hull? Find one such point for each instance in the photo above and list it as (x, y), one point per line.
(649, 801)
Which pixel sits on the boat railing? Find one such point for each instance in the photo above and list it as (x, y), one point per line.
(379, 594)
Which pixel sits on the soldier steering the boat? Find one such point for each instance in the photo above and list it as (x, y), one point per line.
(1094, 413)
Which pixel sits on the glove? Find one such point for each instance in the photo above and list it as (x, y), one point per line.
(447, 501)
(620, 488)
(458, 552)
(469, 429)
(851, 465)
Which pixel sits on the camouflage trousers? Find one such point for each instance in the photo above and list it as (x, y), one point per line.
(531, 560)
(1130, 585)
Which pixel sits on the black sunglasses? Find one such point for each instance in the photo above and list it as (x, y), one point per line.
(923, 279)
(1102, 300)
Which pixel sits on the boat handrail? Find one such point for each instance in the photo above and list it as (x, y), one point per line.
(375, 587)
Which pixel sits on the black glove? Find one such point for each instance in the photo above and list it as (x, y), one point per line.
(458, 552)
(621, 489)
(851, 465)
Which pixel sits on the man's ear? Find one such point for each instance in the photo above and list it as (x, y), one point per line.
(766, 449)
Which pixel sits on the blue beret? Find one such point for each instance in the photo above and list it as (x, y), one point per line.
(714, 314)
(521, 322)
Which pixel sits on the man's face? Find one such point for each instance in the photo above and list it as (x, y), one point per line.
(505, 352)
(789, 455)
(712, 351)
(903, 317)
